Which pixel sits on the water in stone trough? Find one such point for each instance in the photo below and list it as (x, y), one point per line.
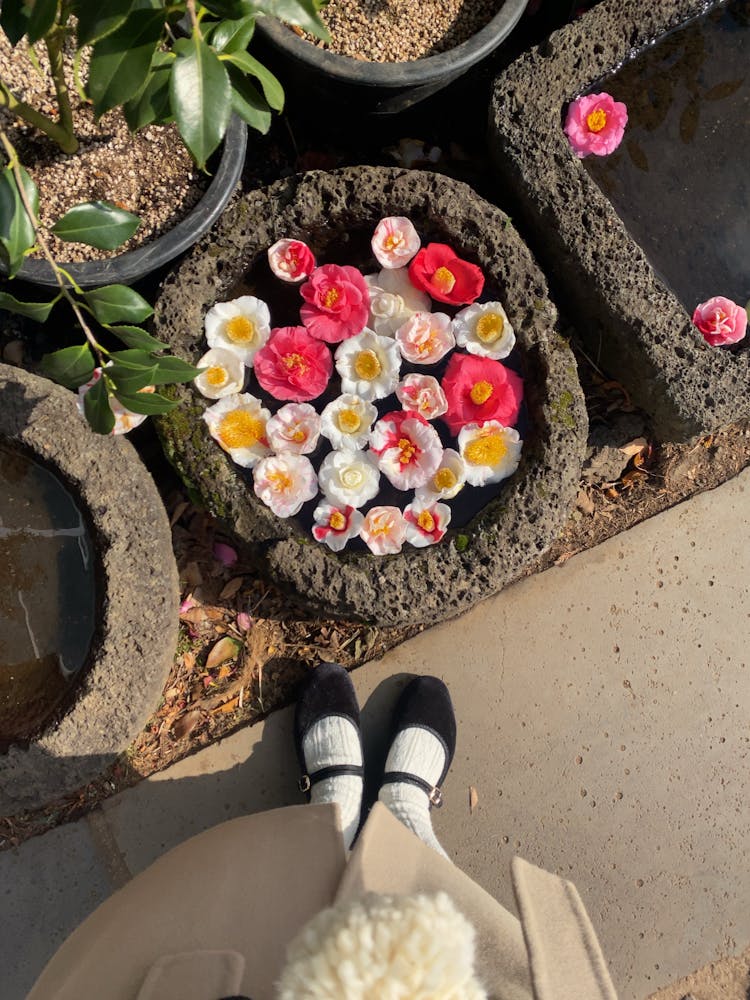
(680, 180)
(47, 595)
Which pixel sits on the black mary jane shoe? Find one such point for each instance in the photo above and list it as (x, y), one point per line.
(425, 703)
(328, 691)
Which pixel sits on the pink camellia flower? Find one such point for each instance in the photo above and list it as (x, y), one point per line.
(285, 482)
(334, 526)
(438, 271)
(422, 393)
(426, 522)
(425, 338)
(295, 428)
(293, 365)
(721, 321)
(337, 303)
(479, 389)
(408, 449)
(291, 260)
(595, 123)
(395, 241)
(384, 530)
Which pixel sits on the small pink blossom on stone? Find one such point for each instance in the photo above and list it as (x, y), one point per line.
(426, 522)
(425, 338)
(395, 241)
(384, 530)
(595, 123)
(294, 428)
(244, 621)
(721, 321)
(422, 393)
(291, 260)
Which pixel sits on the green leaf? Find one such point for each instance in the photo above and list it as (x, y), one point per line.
(97, 409)
(301, 12)
(233, 36)
(117, 304)
(152, 103)
(130, 380)
(248, 102)
(170, 369)
(201, 97)
(120, 63)
(17, 234)
(38, 311)
(272, 89)
(41, 18)
(133, 336)
(146, 402)
(14, 20)
(230, 9)
(98, 224)
(97, 20)
(71, 367)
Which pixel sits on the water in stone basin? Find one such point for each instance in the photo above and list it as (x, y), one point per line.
(680, 180)
(47, 595)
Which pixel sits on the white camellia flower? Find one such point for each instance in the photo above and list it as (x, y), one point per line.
(224, 374)
(426, 522)
(294, 428)
(490, 452)
(335, 526)
(395, 241)
(285, 482)
(238, 423)
(368, 365)
(241, 326)
(393, 299)
(448, 481)
(425, 338)
(484, 329)
(423, 394)
(349, 478)
(384, 530)
(347, 421)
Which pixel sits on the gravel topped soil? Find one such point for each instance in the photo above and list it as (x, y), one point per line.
(402, 30)
(150, 173)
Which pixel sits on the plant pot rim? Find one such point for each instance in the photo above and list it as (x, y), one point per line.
(129, 267)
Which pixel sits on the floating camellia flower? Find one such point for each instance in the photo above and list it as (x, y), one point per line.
(293, 365)
(721, 321)
(335, 526)
(426, 522)
(409, 449)
(393, 299)
(490, 452)
(395, 241)
(484, 329)
(285, 482)
(347, 421)
(241, 326)
(448, 481)
(479, 389)
(595, 123)
(384, 530)
(337, 303)
(294, 428)
(291, 260)
(224, 374)
(422, 393)
(426, 338)
(438, 271)
(238, 423)
(125, 419)
(368, 365)
(349, 478)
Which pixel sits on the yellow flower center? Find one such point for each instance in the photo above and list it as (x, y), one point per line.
(426, 521)
(444, 479)
(240, 429)
(596, 120)
(331, 297)
(444, 279)
(488, 450)
(380, 525)
(280, 481)
(490, 327)
(297, 435)
(393, 241)
(367, 365)
(216, 376)
(337, 521)
(407, 450)
(295, 363)
(481, 392)
(351, 478)
(349, 421)
(427, 344)
(240, 330)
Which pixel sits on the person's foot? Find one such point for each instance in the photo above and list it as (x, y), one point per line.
(422, 748)
(329, 744)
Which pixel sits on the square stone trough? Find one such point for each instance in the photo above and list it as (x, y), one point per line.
(507, 536)
(629, 321)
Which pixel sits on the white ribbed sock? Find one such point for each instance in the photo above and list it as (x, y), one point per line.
(418, 752)
(335, 740)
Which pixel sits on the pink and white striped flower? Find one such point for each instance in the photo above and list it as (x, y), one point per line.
(408, 449)
(291, 260)
(285, 482)
(423, 394)
(336, 525)
(384, 530)
(395, 241)
(426, 522)
(294, 428)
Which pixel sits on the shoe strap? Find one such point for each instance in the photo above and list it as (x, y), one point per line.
(434, 792)
(308, 780)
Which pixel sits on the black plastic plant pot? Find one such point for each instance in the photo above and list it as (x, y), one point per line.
(382, 88)
(129, 267)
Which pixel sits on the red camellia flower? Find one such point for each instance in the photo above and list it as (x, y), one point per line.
(337, 303)
(438, 271)
(479, 389)
(293, 365)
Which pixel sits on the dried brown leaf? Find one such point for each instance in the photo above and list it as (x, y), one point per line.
(185, 725)
(231, 588)
(225, 649)
(635, 447)
(228, 706)
(178, 512)
(191, 575)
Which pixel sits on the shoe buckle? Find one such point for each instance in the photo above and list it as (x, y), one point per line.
(304, 784)
(436, 797)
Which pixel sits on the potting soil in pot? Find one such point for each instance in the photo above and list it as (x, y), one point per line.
(47, 595)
